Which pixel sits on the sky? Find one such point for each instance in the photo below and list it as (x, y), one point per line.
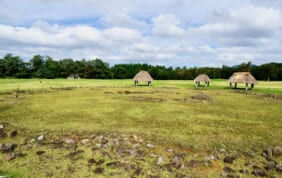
(159, 32)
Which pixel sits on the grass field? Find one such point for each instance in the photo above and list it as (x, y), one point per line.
(195, 123)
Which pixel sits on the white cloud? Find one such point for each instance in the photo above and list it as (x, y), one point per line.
(167, 25)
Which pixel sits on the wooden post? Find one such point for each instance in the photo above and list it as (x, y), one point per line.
(246, 86)
(252, 86)
(235, 85)
(208, 83)
(230, 85)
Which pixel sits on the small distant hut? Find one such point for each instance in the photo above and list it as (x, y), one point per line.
(73, 77)
(242, 77)
(143, 76)
(202, 78)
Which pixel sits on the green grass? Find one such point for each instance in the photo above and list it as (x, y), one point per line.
(164, 114)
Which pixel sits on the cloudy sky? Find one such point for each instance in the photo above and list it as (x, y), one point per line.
(165, 32)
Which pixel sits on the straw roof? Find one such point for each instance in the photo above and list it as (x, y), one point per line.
(202, 78)
(143, 76)
(242, 77)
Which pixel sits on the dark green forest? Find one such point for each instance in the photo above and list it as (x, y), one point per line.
(46, 67)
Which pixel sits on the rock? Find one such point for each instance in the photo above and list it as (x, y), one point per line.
(160, 161)
(259, 173)
(13, 133)
(277, 151)
(85, 141)
(135, 146)
(93, 136)
(10, 156)
(169, 150)
(210, 158)
(177, 161)
(69, 141)
(6, 148)
(222, 150)
(149, 145)
(98, 145)
(1, 126)
(32, 140)
(270, 165)
(3, 134)
(40, 138)
(228, 169)
(40, 152)
(229, 159)
(279, 167)
(99, 170)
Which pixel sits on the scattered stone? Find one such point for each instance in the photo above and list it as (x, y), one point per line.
(91, 161)
(277, 151)
(228, 169)
(270, 165)
(135, 146)
(229, 159)
(1, 126)
(93, 136)
(149, 145)
(177, 161)
(279, 167)
(259, 173)
(222, 150)
(40, 152)
(10, 156)
(32, 140)
(6, 148)
(99, 170)
(153, 155)
(210, 158)
(160, 161)
(169, 150)
(40, 138)
(13, 133)
(85, 141)
(69, 141)
(98, 145)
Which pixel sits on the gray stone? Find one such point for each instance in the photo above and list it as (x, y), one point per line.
(149, 145)
(279, 167)
(160, 161)
(169, 150)
(135, 146)
(40, 138)
(259, 172)
(10, 156)
(277, 151)
(1, 126)
(84, 141)
(69, 141)
(177, 161)
(6, 148)
(32, 140)
(222, 150)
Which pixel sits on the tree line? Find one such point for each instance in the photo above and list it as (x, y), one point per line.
(46, 67)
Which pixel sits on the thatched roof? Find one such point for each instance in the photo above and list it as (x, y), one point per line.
(242, 77)
(202, 78)
(143, 76)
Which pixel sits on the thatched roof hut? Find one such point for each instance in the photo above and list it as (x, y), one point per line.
(143, 76)
(202, 78)
(242, 77)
